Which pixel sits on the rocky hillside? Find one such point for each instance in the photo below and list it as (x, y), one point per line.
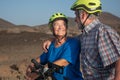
(6, 26)
(111, 20)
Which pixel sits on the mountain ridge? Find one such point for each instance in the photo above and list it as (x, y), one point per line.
(8, 27)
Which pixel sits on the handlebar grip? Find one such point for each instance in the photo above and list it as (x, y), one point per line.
(36, 64)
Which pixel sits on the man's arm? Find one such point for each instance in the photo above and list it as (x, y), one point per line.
(117, 70)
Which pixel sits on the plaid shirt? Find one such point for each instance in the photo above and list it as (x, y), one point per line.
(100, 48)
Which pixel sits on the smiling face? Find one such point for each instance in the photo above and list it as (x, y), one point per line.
(59, 28)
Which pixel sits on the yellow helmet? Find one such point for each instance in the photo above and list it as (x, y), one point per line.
(56, 16)
(90, 6)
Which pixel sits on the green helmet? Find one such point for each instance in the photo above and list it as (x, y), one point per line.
(57, 16)
(90, 6)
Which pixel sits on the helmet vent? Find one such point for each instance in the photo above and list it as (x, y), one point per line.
(92, 4)
(57, 14)
(53, 15)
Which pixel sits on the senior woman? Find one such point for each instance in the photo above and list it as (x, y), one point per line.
(63, 51)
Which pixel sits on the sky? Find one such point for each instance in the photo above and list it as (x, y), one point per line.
(38, 12)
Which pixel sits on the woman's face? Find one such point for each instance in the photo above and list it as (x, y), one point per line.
(59, 28)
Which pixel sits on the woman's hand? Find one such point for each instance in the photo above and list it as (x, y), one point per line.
(29, 74)
(29, 71)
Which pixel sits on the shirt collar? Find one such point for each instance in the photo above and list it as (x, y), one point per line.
(91, 26)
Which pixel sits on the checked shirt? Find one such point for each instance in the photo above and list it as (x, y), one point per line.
(100, 49)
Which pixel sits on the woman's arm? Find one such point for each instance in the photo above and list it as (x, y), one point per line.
(61, 62)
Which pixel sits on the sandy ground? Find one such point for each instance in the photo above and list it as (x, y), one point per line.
(16, 51)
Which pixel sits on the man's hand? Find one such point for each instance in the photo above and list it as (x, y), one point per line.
(46, 45)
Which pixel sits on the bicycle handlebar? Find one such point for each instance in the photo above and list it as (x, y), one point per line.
(39, 69)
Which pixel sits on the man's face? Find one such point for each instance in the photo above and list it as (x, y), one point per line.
(79, 15)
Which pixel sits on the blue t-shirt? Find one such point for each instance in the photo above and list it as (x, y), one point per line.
(69, 51)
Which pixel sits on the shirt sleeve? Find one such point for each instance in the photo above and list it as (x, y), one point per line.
(108, 46)
(71, 51)
(43, 58)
